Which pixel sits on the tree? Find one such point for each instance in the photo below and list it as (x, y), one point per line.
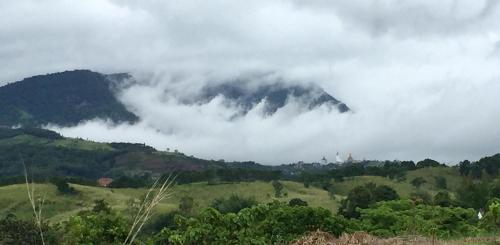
(101, 225)
(442, 199)
(273, 223)
(476, 171)
(491, 220)
(233, 204)
(331, 192)
(441, 182)
(364, 196)
(14, 231)
(418, 182)
(101, 206)
(278, 188)
(428, 163)
(400, 217)
(384, 193)
(464, 168)
(421, 197)
(187, 204)
(473, 195)
(63, 186)
(297, 202)
(408, 165)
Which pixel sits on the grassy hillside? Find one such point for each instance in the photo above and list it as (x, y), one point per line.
(49, 154)
(59, 207)
(70, 143)
(405, 188)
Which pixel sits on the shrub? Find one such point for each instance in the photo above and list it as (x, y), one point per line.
(443, 199)
(364, 196)
(233, 203)
(418, 182)
(273, 223)
(428, 163)
(297, 202)
(101, 225)
(63, 186)
(15, 231)
(278, 188)
(473, 195)
(187, 204)
(441, 182)
(491, 220)
(421, 197)
(403, 217)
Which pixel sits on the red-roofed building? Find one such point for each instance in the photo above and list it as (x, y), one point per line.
(104, 182)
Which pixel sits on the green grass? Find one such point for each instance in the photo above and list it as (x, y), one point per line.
(402, 188)
(66, 142)
(405, 188)
(13, 198)
(452, 176)
(58, 207)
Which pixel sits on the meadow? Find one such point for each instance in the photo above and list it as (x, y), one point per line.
(58, 207)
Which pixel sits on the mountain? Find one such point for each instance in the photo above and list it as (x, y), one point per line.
(274, 95)
(70, 97)
(65, 98)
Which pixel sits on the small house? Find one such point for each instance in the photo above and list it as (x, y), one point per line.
(104, 182)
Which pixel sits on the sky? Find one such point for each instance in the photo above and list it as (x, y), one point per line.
(421, 77)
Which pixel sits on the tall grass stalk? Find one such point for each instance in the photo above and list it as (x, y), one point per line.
(158, 192)
(36, 205)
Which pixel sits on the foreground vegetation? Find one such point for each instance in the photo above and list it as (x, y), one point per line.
(213, 202)
(275, 212)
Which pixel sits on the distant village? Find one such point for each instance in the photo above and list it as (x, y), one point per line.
(324, 162)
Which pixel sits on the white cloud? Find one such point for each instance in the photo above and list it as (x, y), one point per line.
(421, 76)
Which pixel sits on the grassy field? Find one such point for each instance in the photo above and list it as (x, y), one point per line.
(72, 143)
(13, 198)
(405, 188)
(58, 207)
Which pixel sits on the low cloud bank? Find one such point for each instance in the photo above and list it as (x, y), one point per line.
(422, 77)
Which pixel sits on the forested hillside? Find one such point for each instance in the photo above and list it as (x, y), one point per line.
(64, 98)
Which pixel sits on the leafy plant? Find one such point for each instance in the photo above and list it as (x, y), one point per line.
(233, 204)
(278, 188)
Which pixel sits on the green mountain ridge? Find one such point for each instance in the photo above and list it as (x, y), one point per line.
(65, 98)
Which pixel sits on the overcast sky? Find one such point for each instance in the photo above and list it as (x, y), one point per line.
(422, 77)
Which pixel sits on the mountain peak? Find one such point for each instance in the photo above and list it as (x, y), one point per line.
(275, 95)
(63, 98)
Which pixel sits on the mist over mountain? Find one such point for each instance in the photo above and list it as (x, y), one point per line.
(274, 96)
(72, 97)
(421, 77)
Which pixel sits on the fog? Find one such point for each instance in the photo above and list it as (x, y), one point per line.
(421, 77)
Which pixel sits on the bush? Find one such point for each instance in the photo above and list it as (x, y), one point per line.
(421, 197)
(418, 182)
(403, 217)
(63, 186)
(233, 204)
(187, 205)
(278, 188)
(363, 197)
(441, 182)
(273, 223)
(443, 199)
(428, 163)
(491, 220)
(297, 202)
(14, 231)
(473, 195)
(101, 225)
